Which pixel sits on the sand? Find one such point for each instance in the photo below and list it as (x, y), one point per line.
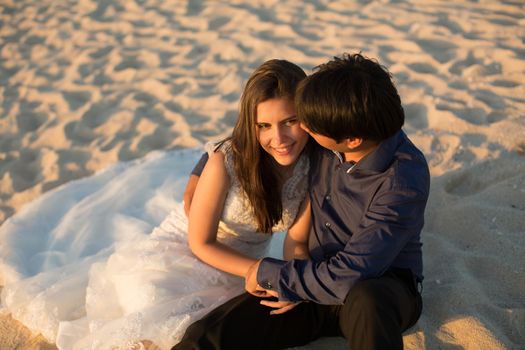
(86, 84)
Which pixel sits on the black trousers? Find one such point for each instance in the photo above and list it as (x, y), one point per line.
(373, 316)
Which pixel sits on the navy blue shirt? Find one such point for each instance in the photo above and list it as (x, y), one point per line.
(366, 218)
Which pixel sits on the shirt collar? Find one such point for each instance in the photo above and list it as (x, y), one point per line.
(347, 166)
(339, 156)
(381, 158)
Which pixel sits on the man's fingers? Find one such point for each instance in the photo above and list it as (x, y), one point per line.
(260, 293)
(282, 310)
(274, 304)
(263, 293)
(272, 293)
(280, 307)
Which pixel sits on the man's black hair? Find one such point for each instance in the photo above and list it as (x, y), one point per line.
(351, 96)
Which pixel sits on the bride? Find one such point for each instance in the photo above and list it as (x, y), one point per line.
(146, 289)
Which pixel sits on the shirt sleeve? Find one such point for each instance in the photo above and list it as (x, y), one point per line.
(389, 223)
(199, 167)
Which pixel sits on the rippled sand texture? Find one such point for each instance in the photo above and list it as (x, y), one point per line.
(86, 84)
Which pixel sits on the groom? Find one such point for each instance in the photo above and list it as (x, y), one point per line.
(368, 188)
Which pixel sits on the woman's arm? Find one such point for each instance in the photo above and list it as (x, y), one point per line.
(296, 240)
(189, 192)
(192, 182)
(205, 212)
(295, 247)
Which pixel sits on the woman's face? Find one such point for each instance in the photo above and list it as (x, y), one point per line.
(278, 130)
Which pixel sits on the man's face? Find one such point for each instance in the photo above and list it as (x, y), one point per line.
(326, 141)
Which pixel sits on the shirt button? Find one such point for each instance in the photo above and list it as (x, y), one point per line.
(327, 224)
(328, 197)
(266, 285)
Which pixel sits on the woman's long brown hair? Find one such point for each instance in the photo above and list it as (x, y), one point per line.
(255, 168)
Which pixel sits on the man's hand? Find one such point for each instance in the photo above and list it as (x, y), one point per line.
(254, 288)
(280, 306)
(250, 282)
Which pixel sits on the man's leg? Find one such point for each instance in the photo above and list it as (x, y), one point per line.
(242, 323)
(377, 311)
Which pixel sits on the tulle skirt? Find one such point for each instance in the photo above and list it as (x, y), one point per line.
(86, 266)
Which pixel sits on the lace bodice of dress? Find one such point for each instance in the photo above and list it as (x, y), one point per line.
(238, 227)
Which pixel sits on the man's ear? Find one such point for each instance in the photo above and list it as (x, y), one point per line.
(353, 142)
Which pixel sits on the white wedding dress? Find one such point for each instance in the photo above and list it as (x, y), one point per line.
(87, 271)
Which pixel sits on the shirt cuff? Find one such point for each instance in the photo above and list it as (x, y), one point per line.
(269, 272)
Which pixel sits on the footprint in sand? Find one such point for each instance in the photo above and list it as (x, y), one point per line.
(423, 68)
(471, 66)
(51, 73)
(218, 22)
(76, 99)
(129, 62)
(505, 83)
(9, 142)
(490, 99)
(496, 116)
(102, 52)
(497, 292)
(25, 169)
(474, 115)
(165, 58)
(145, 98)
(465, 183)
(194, 7)
(159, 139)
(440, 50)
(416, 116)
(479, 177)
(28, 119)
(451, 25)
(79, 133)
(72, 165)
(100, 112)
(153, 114)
